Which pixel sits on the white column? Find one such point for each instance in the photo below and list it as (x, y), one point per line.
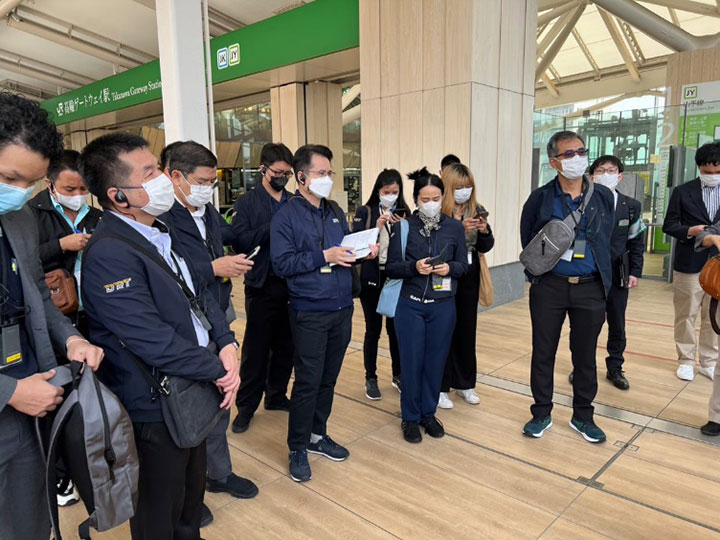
(182, 68)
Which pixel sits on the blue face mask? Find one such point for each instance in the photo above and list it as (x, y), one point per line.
(13, 198)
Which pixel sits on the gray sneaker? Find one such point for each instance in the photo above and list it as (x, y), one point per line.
(371, 390)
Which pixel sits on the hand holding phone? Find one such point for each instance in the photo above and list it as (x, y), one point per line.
(252, 254)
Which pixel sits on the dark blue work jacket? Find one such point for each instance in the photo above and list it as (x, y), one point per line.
(599, 222)
(418, 287)
(298, 235)
(203, 252)
(130, 300)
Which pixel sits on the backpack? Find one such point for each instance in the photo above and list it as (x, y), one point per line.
(92, 435)
(710, 283)
(555, 238)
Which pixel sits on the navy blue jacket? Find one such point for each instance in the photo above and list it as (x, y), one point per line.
(369, 270)
(417, 287)
(298, 235)
(201, 252)
(627, 212)
(130, 300)
(538, 210)
(251, 228)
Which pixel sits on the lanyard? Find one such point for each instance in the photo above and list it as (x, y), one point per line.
(321, 234)
(178, 270)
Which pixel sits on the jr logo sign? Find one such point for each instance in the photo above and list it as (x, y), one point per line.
(222, 58)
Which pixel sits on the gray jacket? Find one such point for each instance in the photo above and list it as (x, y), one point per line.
(45, 325)
(711, 229)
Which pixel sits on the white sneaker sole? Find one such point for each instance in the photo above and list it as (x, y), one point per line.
(586, 437)
(472, 401)
(67, 500)
(396, 387)
(373, 398)
(538, 435)
(299, 479)
(685, 377)
(326, 455)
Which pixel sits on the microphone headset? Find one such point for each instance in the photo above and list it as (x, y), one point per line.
(121, 198)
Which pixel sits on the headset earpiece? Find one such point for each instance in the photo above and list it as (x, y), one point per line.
(120, 197)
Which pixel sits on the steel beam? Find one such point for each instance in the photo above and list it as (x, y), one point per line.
(555, 13)
(620, 44)
(57, 72)
(6, 6)
(586, 52)
(674, 17)
(544, 5)
(632, 42)
(37, 74)
(550, 86)
(554, 49)
(687, 5)
(554, 31)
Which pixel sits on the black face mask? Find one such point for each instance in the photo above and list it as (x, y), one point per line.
(278, 182)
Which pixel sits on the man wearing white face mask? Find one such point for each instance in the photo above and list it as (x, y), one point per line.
(305, 238)
(693, 207)
(146, 302)
(65, 222)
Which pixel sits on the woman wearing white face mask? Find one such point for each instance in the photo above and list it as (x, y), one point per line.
(435, 258)
(65, 221)
(460, 202)
(385, 206)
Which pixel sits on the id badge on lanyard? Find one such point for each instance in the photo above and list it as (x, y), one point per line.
(11, 347)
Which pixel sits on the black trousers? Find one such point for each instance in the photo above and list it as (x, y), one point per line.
(616, 307)
(321, 339)
(267, 349)
(551, 300)
(373, 327)
(461, 365)
(171, 486)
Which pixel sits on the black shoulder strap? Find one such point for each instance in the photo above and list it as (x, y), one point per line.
(335, 207)
(713, 315)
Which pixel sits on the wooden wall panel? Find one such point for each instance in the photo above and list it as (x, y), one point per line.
(691, 67)
(390, 131)
(371, 144)
(484, 34)
(526, 144)
(410, 52)
(370, 49)
(457, 121)
(433, 128)
(391, 47)
(411, 132)
(433, 40)
(531, 15)
(512, 44)
(459, 16)
(334, 131)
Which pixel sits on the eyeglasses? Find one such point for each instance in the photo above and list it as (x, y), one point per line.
(205, 182)
(322, 173)
(286, 174)
(609, 170)
(571, 153)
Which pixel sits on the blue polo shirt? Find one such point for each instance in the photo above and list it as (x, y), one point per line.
(562, 205)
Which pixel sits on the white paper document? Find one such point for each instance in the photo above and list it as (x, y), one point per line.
(359, 242)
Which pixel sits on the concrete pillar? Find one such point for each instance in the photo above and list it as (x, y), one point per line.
(452, 76)
(182, 67)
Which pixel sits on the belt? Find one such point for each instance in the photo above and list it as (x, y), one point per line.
(576, 280)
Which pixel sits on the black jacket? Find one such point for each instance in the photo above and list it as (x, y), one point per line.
(417, 287)
(687, 209)
(52, 227)
(538, 210)
(626, 238)
(369, 270)
(202, 252)
(251, 228)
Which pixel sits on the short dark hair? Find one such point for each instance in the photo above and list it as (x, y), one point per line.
(68, 160)
(449, 160)
(387, 177)
(560, 136)
(607, 159)
(423, 178)
(708, 154)
(189, 155)
(101, 166)
(23, 122)
(303, 156)
(165, 154)
(274, 152)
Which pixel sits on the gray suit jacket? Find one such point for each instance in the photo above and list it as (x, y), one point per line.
(45, 325)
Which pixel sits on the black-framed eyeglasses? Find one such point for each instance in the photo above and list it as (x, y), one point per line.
(286, 174)
(571, 153)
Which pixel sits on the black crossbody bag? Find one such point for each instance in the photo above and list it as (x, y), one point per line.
(190, 408)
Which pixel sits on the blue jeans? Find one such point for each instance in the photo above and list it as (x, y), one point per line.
(424, 332)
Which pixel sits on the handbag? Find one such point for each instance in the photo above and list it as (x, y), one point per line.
(390, 293)
(486, 298)
(710, 283)
(63, 291)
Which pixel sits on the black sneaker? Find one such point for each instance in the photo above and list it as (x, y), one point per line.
(570, 377)
(396, 384)
(240, 424)
(299, 466)
(329, 448)
(711, 429)
(242, 488)
(411, 432)
(207, 516)
(371, 390)
(617, 377)
(433, 427)
(281, 403)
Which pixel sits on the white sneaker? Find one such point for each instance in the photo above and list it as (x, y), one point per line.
(686, 372)
(470, 396)
(66, 494)
(444, 401)
(709, 372)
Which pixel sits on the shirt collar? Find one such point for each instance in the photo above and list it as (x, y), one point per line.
(60, 209)
(152, 234)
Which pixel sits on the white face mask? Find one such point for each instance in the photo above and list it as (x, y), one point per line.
(388, 200)
(161, 194)
(608, 180)
(73, 202)
(710, 180)
(573, 168)
(430, 209)
(199, 195)
(322, 187)
(463, 195)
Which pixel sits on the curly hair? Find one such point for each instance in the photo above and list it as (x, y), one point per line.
(23, 122)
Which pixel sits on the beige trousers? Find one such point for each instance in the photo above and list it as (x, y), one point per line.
(714, 413)
(689, 299)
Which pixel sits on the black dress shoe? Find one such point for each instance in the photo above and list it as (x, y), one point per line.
(433, 427)
(278, 404)
(240, 424)
(617, 377)
(711, 429)
(207, 516)
(411, 432)
(570, 377)
(238, 487)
